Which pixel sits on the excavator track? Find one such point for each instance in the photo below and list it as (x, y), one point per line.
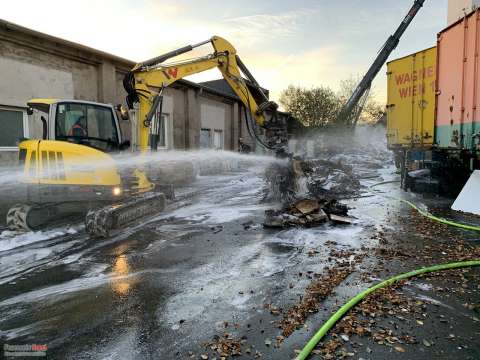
(102, 223)
(36, 216)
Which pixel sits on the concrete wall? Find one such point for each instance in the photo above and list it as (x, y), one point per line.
(458, 8)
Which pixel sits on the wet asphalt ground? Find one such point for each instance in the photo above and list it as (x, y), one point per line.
(206, 267)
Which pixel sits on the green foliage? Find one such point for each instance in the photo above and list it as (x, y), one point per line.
(320, 106)
(315, 107)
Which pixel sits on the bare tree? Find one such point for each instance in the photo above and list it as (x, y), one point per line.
(372, 110)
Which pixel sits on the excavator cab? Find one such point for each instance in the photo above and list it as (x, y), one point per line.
(69, 167)
(81, 122)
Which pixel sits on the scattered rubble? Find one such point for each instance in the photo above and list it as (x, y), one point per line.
(308, 212)
(330, 179)
(325, 182)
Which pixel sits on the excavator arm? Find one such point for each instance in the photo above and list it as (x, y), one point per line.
(147, 80)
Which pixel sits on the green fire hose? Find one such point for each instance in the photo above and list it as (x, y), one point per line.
(423, 212)
(355, 300)
(358, 298)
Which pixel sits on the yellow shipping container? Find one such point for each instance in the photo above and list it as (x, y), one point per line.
(411, 100)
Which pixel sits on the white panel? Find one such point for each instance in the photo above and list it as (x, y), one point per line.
(469, 199)
(22, 82)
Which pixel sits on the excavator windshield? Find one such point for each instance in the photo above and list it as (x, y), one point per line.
(87, 124)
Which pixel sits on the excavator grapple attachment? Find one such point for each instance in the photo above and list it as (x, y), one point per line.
(104, 222)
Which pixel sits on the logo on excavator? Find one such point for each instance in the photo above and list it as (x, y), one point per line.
(173, 72)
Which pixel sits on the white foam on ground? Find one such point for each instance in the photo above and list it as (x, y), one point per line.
(13, 239)
(240, 301)
(95, 277)
(432, 301)
(423, 286)
(216, 282)
(24, 330)
(208, 213)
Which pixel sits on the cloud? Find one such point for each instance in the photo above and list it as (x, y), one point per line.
(258, 28)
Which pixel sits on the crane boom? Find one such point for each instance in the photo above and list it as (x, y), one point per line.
(365, 84)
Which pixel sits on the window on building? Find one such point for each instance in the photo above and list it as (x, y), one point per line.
(218, 139)
(205, 138)
(12, 125)
(87, 124)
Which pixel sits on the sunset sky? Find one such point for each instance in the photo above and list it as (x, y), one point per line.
(301, 42)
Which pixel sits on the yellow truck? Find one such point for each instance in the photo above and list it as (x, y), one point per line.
(411, 101)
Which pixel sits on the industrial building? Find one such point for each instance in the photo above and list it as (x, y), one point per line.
(36, 65)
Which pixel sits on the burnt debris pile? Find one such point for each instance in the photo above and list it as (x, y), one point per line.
(327, 169)
(310, 192)
(281, 181)
(329, 180)
(308, 212)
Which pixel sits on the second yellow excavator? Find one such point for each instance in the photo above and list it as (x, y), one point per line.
(73, 166)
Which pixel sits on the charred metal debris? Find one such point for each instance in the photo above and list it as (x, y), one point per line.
(310, 192)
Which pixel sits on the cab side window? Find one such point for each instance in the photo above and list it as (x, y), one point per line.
(87, 124)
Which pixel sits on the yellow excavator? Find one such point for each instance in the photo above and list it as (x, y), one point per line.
(73, 168)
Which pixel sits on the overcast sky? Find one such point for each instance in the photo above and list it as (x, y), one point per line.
(302, 42)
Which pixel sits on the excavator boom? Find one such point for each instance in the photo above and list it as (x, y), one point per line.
(147, 80)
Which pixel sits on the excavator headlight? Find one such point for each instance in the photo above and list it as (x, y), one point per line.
(117, 191)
